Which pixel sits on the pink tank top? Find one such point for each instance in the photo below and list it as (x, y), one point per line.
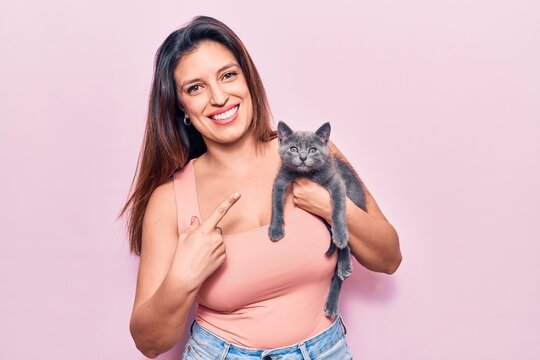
(266, 294)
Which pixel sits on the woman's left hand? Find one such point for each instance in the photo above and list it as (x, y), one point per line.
(312, 197)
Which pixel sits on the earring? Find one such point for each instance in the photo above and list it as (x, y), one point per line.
(187, 121)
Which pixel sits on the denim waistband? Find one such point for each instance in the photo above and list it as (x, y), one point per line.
(307, 349)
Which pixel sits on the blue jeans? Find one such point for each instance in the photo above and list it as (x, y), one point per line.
(330, 344)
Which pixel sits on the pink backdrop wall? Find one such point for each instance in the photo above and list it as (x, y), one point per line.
(436, 103)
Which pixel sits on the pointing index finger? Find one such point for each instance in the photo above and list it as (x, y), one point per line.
(211, 222)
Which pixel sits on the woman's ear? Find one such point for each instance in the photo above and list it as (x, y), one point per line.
(181, 107)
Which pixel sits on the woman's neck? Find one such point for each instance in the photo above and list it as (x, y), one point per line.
(238, 157)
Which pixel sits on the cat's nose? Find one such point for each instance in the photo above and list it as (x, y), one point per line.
(303, 156)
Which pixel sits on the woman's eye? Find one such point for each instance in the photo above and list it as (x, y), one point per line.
(193, 88)
(294, 149)
(312, 150)
(229, 75)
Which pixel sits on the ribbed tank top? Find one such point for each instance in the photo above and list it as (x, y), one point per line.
(266, 294)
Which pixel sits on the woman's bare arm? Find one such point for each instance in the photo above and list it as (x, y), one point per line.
(373, 240)
(163, 297)
(172, 269)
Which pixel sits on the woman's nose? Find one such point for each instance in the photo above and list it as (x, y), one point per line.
(218, 96)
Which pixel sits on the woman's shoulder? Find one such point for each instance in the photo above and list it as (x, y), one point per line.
(271, 157)
(161, 207)
(182, 173)
(159, 219)
(271, 147)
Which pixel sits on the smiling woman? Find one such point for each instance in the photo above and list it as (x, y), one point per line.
(209, 143)
(217, 91)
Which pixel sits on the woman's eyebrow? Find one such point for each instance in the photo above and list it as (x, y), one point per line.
(219, 70)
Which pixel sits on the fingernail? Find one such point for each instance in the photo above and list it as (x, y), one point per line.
(193, 219)
(236, 195)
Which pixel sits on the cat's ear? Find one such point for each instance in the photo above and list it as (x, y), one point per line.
(283, 131)
(324, 132)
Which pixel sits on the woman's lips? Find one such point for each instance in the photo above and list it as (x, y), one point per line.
(221, 111)
(226, 117)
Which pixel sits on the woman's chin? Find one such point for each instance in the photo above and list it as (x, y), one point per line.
(231, 135)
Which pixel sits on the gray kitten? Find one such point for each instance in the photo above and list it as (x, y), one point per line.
(307, 154)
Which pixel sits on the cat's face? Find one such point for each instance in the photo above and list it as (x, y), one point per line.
(303, 151)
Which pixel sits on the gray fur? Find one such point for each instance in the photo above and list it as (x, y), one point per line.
(305, 153)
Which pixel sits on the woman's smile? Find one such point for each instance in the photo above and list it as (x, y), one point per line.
(227, 116)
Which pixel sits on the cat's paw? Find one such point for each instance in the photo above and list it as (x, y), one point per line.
(276, 232)
(340, 237)
(344, 269)
(331, 309)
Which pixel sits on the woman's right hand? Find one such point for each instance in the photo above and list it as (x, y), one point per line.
(200, 249)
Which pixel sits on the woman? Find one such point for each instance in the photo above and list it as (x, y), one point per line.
(198, 212)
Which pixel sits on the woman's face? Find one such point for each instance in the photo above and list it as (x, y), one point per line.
(214, 92)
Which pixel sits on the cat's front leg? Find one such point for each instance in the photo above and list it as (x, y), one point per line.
(276, 229)
(344, 264)
(340, 233)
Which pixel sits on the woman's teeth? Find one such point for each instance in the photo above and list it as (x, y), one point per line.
(226, 114)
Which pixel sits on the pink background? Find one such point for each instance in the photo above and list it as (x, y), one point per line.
(436, 103)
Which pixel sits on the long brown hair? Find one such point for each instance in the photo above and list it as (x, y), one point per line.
(168, 144)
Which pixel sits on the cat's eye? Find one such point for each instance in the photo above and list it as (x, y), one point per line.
(312, 150)
(294, 149)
